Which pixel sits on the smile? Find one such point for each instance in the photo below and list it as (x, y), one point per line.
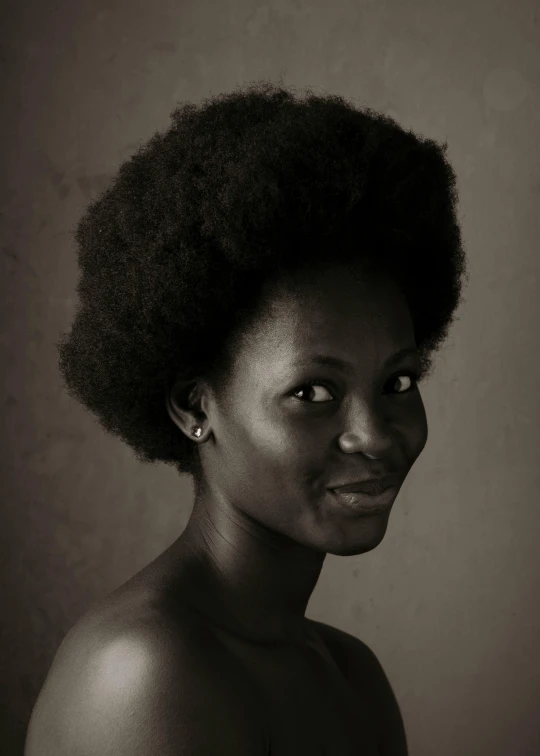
(364, 503)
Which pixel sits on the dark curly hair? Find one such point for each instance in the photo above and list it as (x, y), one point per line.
(248, 185)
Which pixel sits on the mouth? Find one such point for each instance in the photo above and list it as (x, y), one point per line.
(372, 487)
(361, 502)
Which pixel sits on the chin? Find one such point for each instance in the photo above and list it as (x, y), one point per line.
(351, 549)
(353, 543)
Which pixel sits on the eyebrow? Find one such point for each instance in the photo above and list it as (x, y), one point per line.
(348, 367)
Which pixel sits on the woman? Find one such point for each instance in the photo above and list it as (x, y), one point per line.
(263, 287)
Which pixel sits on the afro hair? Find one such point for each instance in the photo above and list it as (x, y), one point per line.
(242, 187)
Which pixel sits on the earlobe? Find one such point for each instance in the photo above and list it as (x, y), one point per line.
(183, 407)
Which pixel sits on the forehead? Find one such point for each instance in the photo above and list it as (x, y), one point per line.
(337, 310)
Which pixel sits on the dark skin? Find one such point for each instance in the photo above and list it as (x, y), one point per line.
(240, 576)
(264, 521)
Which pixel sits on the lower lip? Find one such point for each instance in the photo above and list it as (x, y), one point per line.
(363, 503)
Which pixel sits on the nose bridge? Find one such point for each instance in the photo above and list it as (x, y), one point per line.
(367, 426)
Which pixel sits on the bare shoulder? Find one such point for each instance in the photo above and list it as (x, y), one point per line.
(146, 684)
(346, 649)
(364, 672)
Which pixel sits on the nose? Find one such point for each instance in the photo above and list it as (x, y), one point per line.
(367, 432)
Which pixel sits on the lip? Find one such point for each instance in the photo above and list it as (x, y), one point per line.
(362, 503)
(370, 486)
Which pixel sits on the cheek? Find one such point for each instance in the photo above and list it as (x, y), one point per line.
(417, 431)
(261, 447)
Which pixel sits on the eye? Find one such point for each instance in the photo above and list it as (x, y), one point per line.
(313, 389)
(408, 379)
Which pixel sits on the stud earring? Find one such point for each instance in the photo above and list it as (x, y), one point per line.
(196, 431)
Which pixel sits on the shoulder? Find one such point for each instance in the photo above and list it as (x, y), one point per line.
(343, 646)
(363, 670)
(355, 658)
(148, 685)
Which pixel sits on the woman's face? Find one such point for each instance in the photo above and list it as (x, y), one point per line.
(277, 444)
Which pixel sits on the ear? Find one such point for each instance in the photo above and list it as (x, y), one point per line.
(184, 405)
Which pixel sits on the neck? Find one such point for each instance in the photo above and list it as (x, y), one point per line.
(243, 577)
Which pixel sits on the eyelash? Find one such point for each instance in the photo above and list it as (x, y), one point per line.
(413, 375)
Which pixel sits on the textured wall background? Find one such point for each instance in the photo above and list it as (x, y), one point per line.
(449, 600)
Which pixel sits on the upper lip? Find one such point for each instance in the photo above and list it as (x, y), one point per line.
(373, 485)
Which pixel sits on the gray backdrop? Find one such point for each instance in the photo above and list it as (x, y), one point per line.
(449, 600)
